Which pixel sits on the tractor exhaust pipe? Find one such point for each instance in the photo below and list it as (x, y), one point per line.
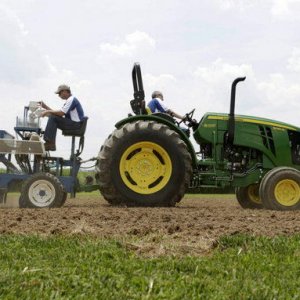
(231, 121)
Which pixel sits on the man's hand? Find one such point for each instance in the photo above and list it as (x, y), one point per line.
(185, 118)
(44, 105)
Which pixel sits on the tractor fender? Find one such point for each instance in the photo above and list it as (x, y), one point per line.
(171, 125)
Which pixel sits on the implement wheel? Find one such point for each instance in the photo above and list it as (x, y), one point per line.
(42, 190)
(3, 194)
(144, 164)
(280, 189)
(248, 197)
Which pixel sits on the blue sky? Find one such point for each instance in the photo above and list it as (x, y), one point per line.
(191, 50)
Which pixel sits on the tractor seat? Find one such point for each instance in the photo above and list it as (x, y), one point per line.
(77, 132)
(74, 133)
(139, 107)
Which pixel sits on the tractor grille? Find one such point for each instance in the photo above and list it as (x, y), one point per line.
(267, 137)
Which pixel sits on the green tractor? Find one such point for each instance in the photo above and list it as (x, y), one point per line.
(149, 160)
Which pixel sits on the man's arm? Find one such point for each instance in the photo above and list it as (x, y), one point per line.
(44, 105)
(48, 112)
(174, 114)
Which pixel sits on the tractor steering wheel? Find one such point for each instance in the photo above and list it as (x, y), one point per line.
(188, 119)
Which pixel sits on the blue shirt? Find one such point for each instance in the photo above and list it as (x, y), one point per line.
(73, 109)
(156, 105)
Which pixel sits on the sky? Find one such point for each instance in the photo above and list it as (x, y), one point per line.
(190, 50)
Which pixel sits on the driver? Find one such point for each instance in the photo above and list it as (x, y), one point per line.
(156, 105)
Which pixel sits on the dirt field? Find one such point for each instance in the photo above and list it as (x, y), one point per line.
(191, 227)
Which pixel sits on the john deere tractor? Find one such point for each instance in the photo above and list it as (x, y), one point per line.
(149, 160)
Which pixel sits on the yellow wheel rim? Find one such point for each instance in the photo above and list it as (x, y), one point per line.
(145, 167)
(287, 192)
(253, 193)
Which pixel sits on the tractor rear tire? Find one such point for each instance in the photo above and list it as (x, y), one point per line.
(144, 163)
(248, 197)
(42, 190)
(280, 189)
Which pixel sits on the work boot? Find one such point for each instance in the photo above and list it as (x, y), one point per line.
(50, 146)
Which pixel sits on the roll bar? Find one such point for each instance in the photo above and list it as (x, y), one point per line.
(138, 103)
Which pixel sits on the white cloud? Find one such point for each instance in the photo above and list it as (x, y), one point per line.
(213, 83)
(277, 97)
(22, 62)
(294, 60)
(279, 92)
(278, 8)
(236, 4)
(220, 71)
(133, 42)
(280, 99)
(282, 8)
(160, 82)
(8, 16)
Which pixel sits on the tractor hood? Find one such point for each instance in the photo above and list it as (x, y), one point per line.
(248, 119)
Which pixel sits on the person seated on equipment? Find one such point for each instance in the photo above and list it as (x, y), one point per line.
(156, 105)
(68, 117)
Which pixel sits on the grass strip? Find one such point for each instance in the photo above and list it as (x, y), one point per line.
(59, 267)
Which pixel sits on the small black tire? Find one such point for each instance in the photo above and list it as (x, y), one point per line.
(248, 197)
(22, 202)
(280, 189)
(64, 198)
(3, 195)
(42, 190)
(144, 163)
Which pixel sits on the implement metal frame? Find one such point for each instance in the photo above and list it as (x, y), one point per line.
(31, 157)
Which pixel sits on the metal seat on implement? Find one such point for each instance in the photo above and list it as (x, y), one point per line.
(77, 133)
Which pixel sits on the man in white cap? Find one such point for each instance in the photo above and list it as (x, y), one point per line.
(156, 105)
(68, 117)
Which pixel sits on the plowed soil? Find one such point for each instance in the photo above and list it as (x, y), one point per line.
(192, 227)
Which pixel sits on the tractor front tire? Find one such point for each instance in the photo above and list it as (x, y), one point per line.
(248, 197)
(280, 189)
(144, 163)
(42, 190)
